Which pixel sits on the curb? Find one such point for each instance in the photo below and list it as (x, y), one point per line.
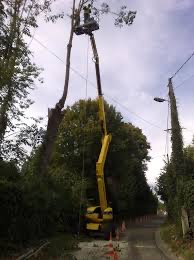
(164, 248)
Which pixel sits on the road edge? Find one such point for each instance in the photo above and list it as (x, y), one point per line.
(162, 246)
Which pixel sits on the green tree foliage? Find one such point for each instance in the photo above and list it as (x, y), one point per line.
(178, 161)
(166, 187)
(176, 137)
(171, 180)
(32, 209)
(17, 146)
(188, 187)
(18, 73)
(79, 143)
(125, 16)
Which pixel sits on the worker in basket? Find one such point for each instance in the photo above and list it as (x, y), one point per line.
(87, 13)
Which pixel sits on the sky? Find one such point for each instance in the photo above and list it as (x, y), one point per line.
(135, 61)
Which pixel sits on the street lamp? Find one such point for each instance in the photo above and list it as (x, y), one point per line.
(160, 100)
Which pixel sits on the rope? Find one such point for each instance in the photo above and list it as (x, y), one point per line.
(83, 152)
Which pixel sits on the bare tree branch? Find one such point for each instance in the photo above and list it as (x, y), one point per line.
(56, 114)
(67, 72)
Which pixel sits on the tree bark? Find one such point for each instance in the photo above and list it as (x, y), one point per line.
(55, 114)
(4, 116)
(9, 59)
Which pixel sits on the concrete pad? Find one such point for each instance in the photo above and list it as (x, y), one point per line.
(98, 249)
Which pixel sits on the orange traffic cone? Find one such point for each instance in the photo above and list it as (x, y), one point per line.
(110, 245)
(110, 240)
(112, 252)
(115, 257)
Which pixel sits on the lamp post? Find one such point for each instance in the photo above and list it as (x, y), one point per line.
(177, 160)
(160, 100)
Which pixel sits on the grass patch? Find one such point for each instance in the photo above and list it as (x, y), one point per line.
(178, 245)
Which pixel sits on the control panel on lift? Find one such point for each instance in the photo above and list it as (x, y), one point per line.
(89, 25)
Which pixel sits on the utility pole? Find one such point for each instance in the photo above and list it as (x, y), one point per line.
(176, 135)
(177, 161)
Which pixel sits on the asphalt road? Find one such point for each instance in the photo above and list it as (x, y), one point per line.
(136, 243)
(141, 239)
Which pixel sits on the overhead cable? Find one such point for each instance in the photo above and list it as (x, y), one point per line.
(94, 85)
(126, 108)
(183, 82)
(182, 65)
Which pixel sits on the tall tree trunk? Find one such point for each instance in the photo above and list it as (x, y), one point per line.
(55, 115)
(4, 115)
(10, 52)
(8, 62)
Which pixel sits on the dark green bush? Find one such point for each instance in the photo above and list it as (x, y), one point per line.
(33, 208)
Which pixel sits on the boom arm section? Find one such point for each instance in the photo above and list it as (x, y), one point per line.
(100, 171)
(106, 138)
(99, 87)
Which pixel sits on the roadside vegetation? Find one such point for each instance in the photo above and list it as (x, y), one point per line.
(175, 186)
(180, 247)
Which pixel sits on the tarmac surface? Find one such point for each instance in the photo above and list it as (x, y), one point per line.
(138, 242)
(141, 240)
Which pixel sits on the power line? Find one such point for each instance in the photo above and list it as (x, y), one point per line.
(126, 108)
(32, 38)
(56, 56)
(183, 82)
(183, 65)
(44, 46)
(179, 85)
(94, 85)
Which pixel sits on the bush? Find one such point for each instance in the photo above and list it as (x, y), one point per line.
(33, 208)
(8, 171)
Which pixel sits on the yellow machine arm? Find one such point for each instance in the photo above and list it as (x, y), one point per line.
(106, 138)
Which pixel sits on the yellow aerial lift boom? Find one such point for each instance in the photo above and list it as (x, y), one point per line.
(99, 218)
